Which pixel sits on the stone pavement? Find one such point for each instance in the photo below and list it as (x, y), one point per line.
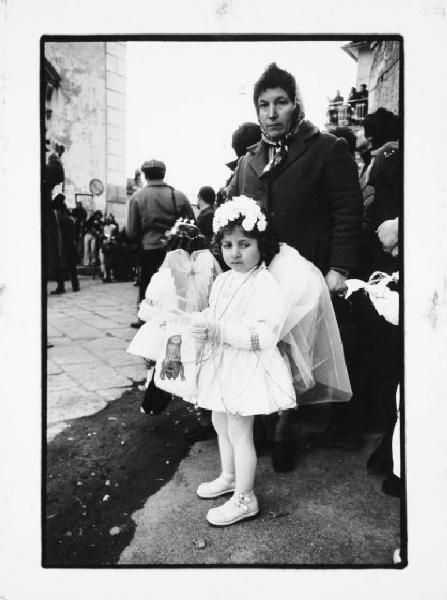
(88, 365)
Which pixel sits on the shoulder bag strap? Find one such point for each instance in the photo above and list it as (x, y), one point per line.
(174, 201)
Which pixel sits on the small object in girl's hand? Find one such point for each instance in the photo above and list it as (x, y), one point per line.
(106, 498)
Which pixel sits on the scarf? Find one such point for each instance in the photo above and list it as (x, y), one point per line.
(277, 150)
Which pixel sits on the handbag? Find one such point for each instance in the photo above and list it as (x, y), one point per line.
(155, 400)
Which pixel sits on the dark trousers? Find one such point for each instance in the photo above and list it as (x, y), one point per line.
(372, 352)
(151, 261)
(72, 272)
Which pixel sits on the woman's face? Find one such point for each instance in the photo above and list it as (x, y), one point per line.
(275, 112)
(240, 252)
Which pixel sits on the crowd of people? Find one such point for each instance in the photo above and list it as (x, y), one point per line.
(90, 241)
(299, 201)
(304, 233)
(351, 112)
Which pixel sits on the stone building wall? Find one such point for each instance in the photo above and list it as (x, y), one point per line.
(384, 77)
(116, 129)
(88, 117)
(78, 118)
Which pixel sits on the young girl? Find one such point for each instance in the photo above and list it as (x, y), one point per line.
(183, 282)
(241, 372)
(268, 333)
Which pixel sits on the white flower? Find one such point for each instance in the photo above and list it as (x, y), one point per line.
(262, 224)
(240, 206)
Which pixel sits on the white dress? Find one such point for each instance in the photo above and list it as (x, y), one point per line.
(183, 282)
(241, 370)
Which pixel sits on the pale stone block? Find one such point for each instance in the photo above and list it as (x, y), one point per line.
(116, 100)
(72, 404)
(124, 333)
(111, 62)
(61, 381)
(116, 358)
(117, 147)
(116, 132)
(53, 368)
(115, 82)
(98, 322)
(116, 178)
(105, 343)
(97, 377)
(121, 68)
(123, 318)
(115, 163)
(117, 49)
(84, 332)
(134, 372)
(66, 355)
(116, 117)
(59, 340)
(111, 394)
(52, 331)
(54, 430)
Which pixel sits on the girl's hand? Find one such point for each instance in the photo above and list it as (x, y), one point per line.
(149, 363)
(204, 331)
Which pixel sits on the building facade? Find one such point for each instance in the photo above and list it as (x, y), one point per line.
(378, 67)
(85, 121)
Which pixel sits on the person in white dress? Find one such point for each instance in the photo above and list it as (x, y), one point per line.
(268, 336)
(260, 342)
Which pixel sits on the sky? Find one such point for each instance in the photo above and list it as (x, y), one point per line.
(185, 99)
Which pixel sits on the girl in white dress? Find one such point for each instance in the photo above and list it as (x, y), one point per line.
(241, 372)
(268, 334)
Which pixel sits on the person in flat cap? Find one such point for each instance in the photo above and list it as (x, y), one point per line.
(152, 211)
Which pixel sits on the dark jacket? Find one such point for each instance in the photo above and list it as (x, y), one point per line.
(385, 178)
(313, 199)
(205, 222)
(153, 210)
(67, 226)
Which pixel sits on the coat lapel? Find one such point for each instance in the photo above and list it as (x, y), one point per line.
(299, 145)
(258, 161)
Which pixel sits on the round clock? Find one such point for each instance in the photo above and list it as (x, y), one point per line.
(96, 187)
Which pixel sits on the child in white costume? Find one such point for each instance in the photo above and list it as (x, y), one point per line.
(183, 282)
(268, 334)
(243, 369)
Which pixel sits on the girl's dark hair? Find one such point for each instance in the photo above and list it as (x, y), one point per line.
(274, 77)
(187, 238)
(268, 240)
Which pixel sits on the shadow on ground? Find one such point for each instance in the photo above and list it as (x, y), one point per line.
(102, 469)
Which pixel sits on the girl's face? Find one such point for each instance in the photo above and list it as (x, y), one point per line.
(240, 252)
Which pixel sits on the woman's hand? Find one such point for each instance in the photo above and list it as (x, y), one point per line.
(149, 363)
(336, 283)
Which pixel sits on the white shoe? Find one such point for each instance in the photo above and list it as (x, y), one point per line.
(234, 510)
(218, 487)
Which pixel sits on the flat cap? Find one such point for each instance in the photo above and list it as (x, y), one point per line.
(149, 164)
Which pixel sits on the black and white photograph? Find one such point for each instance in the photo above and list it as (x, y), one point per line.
(224, 356)
(223, 300)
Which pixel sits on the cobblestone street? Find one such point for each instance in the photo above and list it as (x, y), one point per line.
(87, 363)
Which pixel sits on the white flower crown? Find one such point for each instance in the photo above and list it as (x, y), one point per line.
(240, 206)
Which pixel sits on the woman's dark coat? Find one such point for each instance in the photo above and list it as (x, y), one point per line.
(313, 199)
